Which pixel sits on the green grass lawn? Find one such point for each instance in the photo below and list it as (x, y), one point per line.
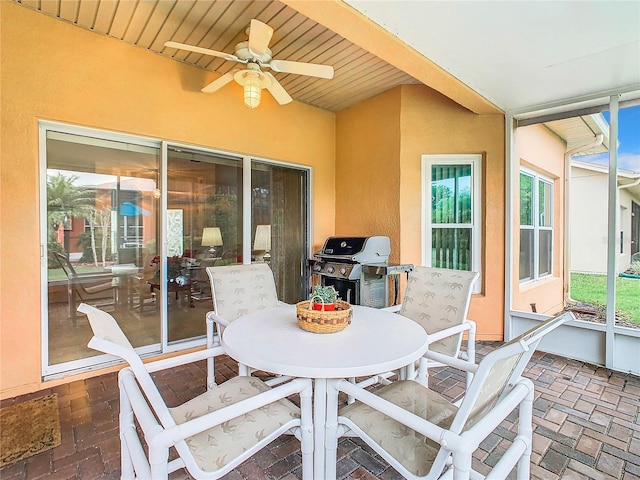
(58, 274)
(593, 289)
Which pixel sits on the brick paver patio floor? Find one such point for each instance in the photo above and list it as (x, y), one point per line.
(586, 426)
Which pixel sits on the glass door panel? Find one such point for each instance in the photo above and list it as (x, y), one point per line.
(101, 237)
(279, 226)
(204, 229)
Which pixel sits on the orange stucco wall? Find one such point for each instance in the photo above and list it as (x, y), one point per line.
(380, 143)
(365, 159)
(537, 148)
(368, 169)
(433, 124)
(52, 70)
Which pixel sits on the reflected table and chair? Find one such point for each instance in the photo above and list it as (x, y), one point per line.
(375, 342)
(100, 288)
(175, 287)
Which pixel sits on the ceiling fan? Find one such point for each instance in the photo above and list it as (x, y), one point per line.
(256, 55)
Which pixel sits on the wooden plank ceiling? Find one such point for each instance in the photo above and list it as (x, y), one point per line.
(221, 24)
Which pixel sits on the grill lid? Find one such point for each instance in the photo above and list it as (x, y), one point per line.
(343, 246)
(357, 249)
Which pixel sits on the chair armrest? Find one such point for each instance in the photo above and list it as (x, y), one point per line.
(447, 332)
(183, 359)
(463, 365)
(212, 317)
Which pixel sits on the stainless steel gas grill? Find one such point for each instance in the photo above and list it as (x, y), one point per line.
(358, 268)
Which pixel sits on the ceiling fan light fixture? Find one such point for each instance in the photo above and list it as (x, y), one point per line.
(252, 90)
(252, 81)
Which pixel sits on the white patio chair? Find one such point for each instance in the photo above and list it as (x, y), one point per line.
(238, 290)
(423, 435)
(212, 433)
(98, 288)
(438, 299)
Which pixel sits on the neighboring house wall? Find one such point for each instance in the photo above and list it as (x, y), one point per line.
(540, 151)
(589, 211)
(379, 147)
(56, 71)
(588, 221)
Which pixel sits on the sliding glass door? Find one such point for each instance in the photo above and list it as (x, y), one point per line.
(204, 229)
(130, 225)
(100, 232)
(279, 205)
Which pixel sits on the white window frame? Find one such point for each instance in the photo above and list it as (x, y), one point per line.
(536, 227)
(475, 162)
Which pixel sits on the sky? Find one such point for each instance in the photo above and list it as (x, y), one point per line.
(628, 139)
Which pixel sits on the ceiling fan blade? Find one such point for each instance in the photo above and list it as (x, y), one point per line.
(259, 37)
(301, 68)
(219, 83)
(277, 90)
(204, 51)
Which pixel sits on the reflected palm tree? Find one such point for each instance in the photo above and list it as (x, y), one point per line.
(65, 200)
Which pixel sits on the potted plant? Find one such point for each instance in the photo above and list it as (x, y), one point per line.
(324, 298)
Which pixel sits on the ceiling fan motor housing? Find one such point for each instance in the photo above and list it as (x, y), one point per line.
(254, 73)
(245, 54)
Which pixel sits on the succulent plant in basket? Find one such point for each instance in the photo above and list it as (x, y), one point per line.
(324, 298)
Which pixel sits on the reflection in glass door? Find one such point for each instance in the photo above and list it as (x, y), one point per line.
(279, 206)
(108, 242)
(204, 229)
(101, 239)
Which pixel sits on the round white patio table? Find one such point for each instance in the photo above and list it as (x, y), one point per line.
(376, 341)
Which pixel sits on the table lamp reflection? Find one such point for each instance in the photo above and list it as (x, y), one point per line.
(212, 238)
(262, 241)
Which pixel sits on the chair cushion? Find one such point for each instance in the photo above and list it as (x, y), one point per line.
(214, 448)
(437, 298)
(407, 446)
(242, 289)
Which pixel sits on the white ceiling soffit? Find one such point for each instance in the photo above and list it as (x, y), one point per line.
(578, 131)
(524, 56)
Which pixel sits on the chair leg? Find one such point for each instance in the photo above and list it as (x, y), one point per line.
(461, 465)
(211, 376)
(423, 373)
(471, 348)
(71, 299)
(159, 460)
(525, 429)
(126, 421)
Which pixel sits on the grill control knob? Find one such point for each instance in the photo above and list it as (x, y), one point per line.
(317, 268)
(330, 269)
(343, 271)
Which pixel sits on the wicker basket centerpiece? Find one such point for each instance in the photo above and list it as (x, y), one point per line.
(323, 320)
